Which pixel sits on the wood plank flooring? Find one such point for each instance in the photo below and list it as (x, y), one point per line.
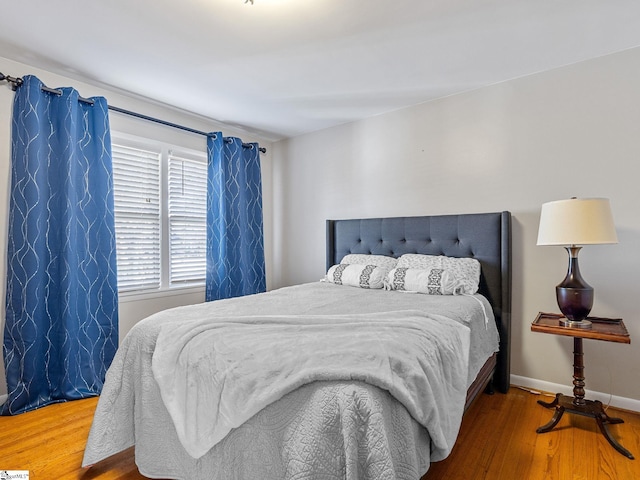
(49, 442)
(497, 441)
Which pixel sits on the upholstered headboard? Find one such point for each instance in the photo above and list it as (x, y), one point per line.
(484, 236)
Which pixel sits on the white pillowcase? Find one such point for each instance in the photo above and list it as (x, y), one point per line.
(432, 281)
(363, 276)
(382, 261)
(466, 270)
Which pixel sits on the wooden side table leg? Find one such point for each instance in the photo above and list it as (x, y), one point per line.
(553, 422)
(606, 418)
(551, 404)
(612, 441)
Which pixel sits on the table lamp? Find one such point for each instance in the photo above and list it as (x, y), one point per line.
(573, 223)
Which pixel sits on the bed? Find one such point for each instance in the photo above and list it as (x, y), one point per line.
(364, 424)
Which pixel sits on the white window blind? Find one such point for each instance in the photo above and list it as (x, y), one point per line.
(187, 205)
(136, 178)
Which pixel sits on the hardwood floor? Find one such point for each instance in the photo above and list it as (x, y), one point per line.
(497, 441)
(49, 442)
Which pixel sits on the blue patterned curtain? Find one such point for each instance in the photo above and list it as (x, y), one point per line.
(235, 244)
(61, 329)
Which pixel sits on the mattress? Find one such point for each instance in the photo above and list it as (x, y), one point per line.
(324, 429)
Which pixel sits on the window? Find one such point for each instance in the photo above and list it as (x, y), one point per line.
(187, 220)
(160, 215)
(136, 179)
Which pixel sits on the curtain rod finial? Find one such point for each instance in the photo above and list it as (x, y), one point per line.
(14, 81)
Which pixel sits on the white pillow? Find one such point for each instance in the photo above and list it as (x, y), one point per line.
(363, 276)
(467, 270)
(387, 263)
(432, 281)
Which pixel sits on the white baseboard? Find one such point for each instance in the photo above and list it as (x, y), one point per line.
(3, 398)
(613, 400)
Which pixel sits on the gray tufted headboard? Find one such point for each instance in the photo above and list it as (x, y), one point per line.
(484, 236)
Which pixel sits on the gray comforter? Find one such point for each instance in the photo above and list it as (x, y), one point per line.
(337, 428)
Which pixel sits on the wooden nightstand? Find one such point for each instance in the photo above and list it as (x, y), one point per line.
(611, 330)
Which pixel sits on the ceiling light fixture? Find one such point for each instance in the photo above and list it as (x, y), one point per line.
(248, 1)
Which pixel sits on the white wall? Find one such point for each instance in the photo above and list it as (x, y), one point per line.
(131, 310)
(574, 131)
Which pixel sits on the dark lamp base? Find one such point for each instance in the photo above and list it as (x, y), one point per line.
(574, 303)
(574, 295)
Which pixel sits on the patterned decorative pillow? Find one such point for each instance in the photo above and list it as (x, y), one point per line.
(467, 270)
(363, 276)
(432, 281)
(382, 261)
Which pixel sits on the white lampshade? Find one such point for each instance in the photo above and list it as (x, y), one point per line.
(577, 221)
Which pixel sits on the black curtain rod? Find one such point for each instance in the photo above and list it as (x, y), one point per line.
(17, 81)
(170, 124)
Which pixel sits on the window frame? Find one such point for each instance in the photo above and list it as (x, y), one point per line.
(165, 150)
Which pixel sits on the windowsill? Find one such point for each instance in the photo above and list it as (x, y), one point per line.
(138, 296)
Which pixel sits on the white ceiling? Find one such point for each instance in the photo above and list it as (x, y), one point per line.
(281, 68)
